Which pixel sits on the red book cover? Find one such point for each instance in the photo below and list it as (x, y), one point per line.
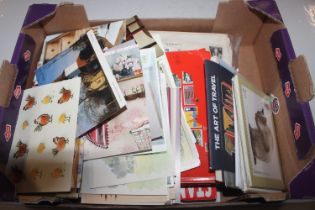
(189, 74)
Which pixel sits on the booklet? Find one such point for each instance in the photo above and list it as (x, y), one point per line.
(189, 74)
(220, 116)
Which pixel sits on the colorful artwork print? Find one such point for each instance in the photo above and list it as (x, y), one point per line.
(126, 66)
(189, 96)
(60, 143)
(36, 174)
(42, 120)
(198, 135)
(228, 117)
(30, 102)
(186, 78)
(65, 96)
(191, 114)
(57, 173)
(47, 99)
(21, 151)
(63, 118)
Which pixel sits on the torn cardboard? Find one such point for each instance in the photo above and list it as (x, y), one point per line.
(302, 79)
(8, 73)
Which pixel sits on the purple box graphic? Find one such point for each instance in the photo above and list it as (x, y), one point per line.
(22, 57)
(302, 123)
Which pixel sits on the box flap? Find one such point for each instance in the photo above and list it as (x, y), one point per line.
(8, 74)
(301, 79)
(56, 19)
(37, 12)
(266, 7)
(230, 19)
(68, 17)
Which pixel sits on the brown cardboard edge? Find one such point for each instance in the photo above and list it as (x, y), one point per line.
(8, 74)
(301, 78)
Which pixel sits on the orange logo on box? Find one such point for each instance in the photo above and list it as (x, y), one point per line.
(287, 89)
(278, 54)
(7, 133)
(27, 55)
(297, 131)
(17, 91)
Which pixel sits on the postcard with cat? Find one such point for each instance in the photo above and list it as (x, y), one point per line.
(42, 152)
(257, 136)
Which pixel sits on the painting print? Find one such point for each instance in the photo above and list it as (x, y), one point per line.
(189, 95)
(41, 157)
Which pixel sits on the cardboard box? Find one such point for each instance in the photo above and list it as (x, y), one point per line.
(256, 60)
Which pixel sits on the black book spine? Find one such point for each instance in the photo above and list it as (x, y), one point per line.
(220, 116)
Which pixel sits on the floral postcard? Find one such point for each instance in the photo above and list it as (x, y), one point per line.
(41, 156)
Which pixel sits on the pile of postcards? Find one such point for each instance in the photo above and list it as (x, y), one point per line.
(123, 115)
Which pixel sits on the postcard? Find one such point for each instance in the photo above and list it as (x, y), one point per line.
(138, 127)
(132, 168)
(188, 66)
(259, 149)
(125, 199)
(112, 33)
(189, 153)
(127, 169)
(100, 96)
(218, 44)
(41, 156)
(149, 187)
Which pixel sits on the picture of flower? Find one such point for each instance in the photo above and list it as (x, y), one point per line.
(57, 173)
(63, 118)
(126, 66)
(41, 148)
(60, 143)
(36, 174)
(25, 124)
(21, 151)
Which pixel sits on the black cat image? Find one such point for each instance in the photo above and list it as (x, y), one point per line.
(261, 138)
